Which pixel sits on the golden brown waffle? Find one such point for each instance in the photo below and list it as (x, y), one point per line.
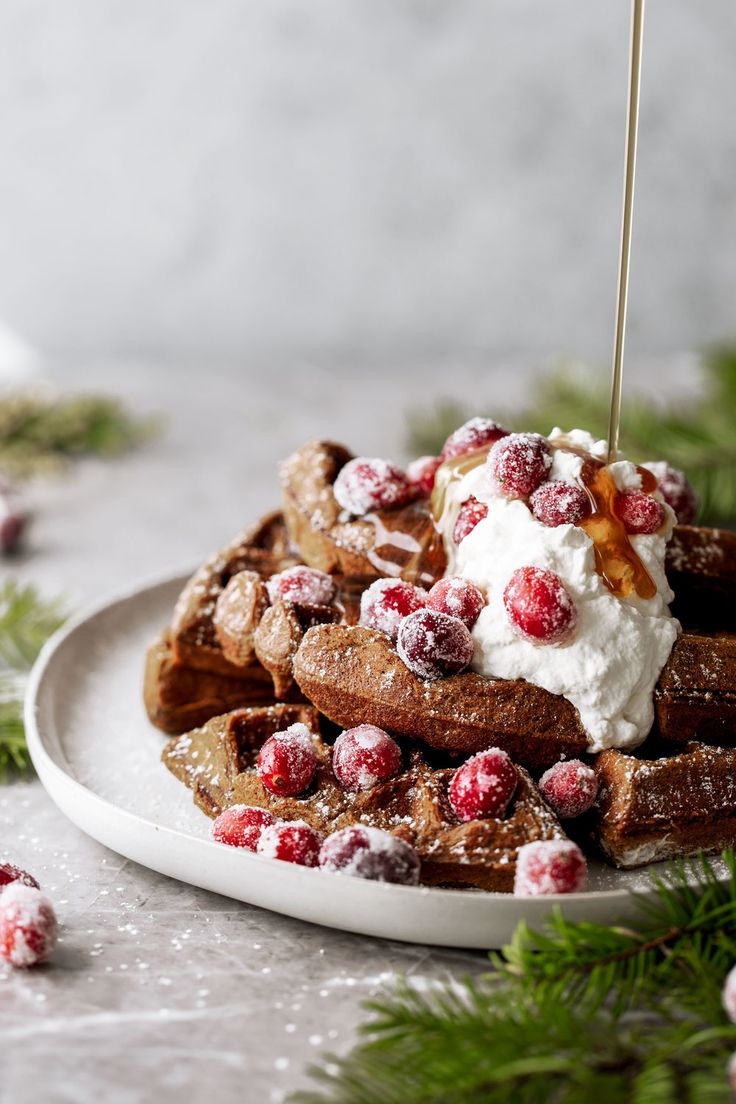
(651, 808)
(218, 760)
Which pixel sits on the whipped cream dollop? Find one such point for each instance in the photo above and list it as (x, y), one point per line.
(610, 665)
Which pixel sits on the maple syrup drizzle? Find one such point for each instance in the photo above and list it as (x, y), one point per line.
(407, 543)
(615, 558)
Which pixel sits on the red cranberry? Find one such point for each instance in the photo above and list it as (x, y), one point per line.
(433, 644)
(475, 434)
(302, 586)
(639, 512)
(27, 925)
(483, 786)
(241, 826)
(458, 597)
(421, 473)
(549, 866)
(471, 512)
(559, 503)
(364, 756)
(386, 603)
(519, 463)
(538, 605)
(676, 490)
(364, 485)
(729, 995)
(370, 853)
(287, 761)
(293, 842)
(570, 787)
(10, 873)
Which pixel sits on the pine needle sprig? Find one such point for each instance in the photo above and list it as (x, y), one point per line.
(39, 433)
(689, 924)
(26, 622)
(576, 1013)
(696, 436)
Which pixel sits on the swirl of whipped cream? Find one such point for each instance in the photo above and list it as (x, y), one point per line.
(609, 668)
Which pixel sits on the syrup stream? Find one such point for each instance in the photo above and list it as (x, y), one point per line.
(622, 298)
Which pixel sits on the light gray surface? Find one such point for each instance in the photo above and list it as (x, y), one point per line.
(157, 983)
(408, 176)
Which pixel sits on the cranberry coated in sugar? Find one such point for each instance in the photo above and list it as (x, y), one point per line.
(287, 761)
(386, 602)
(569, 787)
(519, 463)
(546, 867)
(471, 512)
(433, 644)
(640, 513)
(292, 841)
(474, 434)
(483, 786)
(371, 853)
(241, 826)
(364, 756)
(366, 484)
(559, 503)
(458, 597)
(538, 606)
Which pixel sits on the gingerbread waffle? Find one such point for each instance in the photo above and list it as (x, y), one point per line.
(188, 677)
(218, 760)
(401, 541)
(654, 806)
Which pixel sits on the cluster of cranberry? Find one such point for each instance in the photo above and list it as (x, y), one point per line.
(28, 926)
(365, 756)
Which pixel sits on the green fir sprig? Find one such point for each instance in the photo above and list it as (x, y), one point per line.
(578, 1012)
(697, 437)
(26, 622)
(39, 433)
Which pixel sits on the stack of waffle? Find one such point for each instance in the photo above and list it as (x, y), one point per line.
(234, 667)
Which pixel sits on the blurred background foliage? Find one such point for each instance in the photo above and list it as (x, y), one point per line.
(698, 437)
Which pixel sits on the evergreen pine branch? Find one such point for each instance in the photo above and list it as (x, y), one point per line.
(573, 1014)
(26, 622)
(697, 437)
(39, 433)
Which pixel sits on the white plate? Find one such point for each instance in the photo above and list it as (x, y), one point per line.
(98, 757)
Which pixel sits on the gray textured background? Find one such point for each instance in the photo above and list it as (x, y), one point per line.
(360, 178)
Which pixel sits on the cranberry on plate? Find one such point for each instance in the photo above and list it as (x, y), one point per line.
(291, 841)
(549, 867)
(241, 826)
(367, 484)
(386, 602)
(569, 787)
(287, 761)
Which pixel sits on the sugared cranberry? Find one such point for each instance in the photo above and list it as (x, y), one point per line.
(475, 434)
(293, 842)
(302, 586)
(729, 995)
(371, 484)
(483, 786)
(241, 826)
(519, 463)
(471, 512)
(370, 853)
(458, 597)
(10, 873)
(559, 503)
(27, 925)
(421, 473)
(639, 512)
(287, 761)
(549, 866)
(13, 518)
(386, 603)
(538, 606)
(433, 644)
(364, 756)
(570, 788)
(676, 490)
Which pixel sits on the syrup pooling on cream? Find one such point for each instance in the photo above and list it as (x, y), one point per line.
(616, 560)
